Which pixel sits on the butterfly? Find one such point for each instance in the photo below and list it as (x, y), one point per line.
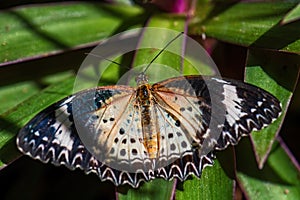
(127, 135)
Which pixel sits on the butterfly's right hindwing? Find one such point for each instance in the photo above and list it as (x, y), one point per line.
(51, 137)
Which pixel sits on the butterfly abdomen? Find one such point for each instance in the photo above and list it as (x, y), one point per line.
(149, 125)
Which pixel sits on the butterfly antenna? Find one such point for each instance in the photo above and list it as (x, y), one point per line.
(98, 56)
(162, 51)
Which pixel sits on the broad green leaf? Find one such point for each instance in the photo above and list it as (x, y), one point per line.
(185, 64)
(250, 24)
(14, 119)
(49, 29)
(293, 15)
(277, 73)
(13, 94)
(156, 189)
(167, 58)
(213, 184)
(279, 179)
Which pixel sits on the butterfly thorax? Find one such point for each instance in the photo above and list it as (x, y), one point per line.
(148, 121)
(141, 79)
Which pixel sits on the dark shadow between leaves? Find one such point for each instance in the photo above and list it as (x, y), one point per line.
(29, 179)
(36, 69)
(124, 189)
(230, 60)
(246, 164)
(7, 126)
(226, 159)
(279, 36)
(144, 190)
(9, 152)
(5, 4)
(281, 66)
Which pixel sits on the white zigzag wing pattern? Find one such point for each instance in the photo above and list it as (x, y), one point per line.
(138, 134)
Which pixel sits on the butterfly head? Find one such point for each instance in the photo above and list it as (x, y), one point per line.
(141, 79)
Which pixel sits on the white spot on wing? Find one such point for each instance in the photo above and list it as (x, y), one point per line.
(259, 103)
(252, 110)
(67, 100)
(62, 127)
(37, 133)
(232, 101)
(220, 80)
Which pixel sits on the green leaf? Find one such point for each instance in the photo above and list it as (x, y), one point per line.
(156, 189)
(277, 73)
(164, 24)
(14, 119)
(250, 24)
(13, 94)
(279, 179)
(293, 15)
(48, 29)
(213, 184)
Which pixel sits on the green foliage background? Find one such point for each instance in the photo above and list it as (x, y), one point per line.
(42, 46)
